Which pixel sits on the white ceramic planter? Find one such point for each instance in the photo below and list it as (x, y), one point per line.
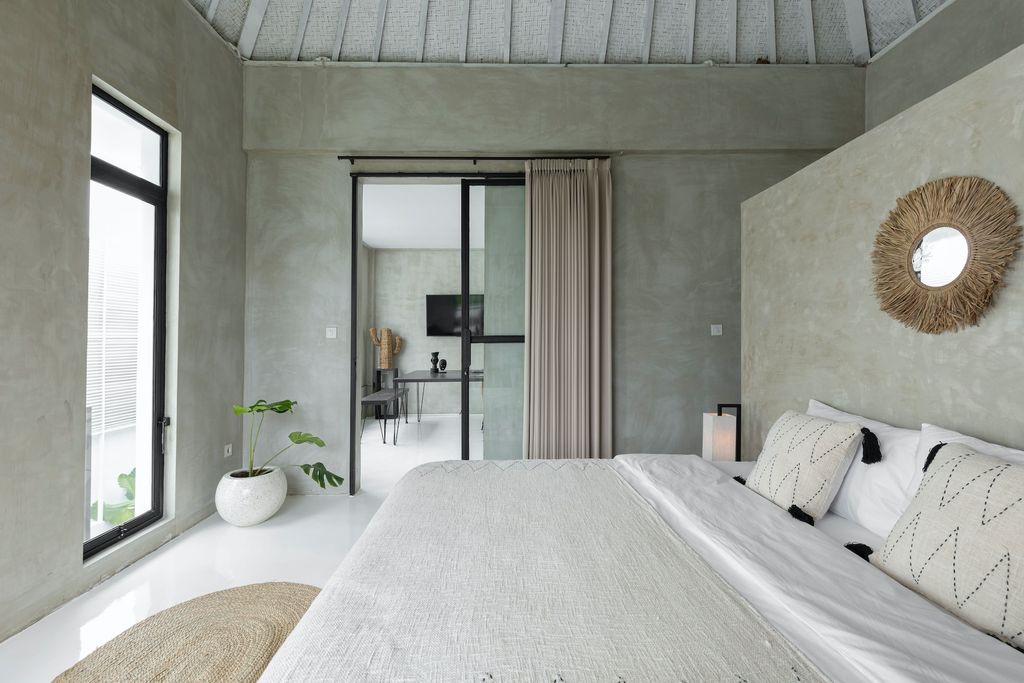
(245, 501)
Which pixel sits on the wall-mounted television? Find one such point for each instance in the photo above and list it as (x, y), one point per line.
(444, 315)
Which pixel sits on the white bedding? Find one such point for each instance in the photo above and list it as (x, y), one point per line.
(847, 617)
(852, 620)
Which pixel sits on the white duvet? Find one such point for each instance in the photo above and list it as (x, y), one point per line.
(848, 617)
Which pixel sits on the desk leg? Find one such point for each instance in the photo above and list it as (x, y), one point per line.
(419, 400)
(398, 421)
(383, 426)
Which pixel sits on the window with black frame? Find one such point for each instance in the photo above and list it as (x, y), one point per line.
(126, 324)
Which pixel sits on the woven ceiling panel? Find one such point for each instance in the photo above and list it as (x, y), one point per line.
(277, 33)
(831, 34)
(670, 34)
(753, 30)
(714, 34)
(530, 19)
(583, 36)
(444, 31)
(926, 7)
(321, 30)
(401, 40)
(887, 21)
(626, 36)
(200, 5)
(486, 31)
(790, 36)
(360, 32)
(229, 18)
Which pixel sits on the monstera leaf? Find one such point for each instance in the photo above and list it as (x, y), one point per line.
(262, 406)
(306, 437)
(321, 475)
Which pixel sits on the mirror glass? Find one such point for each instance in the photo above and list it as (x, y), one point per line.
(940, 256)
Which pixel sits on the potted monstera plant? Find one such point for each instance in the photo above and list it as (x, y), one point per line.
(254, 493)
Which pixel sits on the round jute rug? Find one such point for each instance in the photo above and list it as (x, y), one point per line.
(227, 636)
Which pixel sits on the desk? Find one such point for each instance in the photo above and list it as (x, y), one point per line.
(421, 378)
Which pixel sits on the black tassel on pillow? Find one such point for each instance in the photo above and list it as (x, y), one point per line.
(864, 551)
(801, 515)
(872, 451)
(931, 456)
(740, 480)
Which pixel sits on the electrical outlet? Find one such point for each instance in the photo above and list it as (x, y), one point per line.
(227, 450)
(716, 330)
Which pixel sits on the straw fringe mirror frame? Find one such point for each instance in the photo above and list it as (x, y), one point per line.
(985, 216)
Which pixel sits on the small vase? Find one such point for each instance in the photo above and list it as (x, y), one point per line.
(245, 501)
(433, 361)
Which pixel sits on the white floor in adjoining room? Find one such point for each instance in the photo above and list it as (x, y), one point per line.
(304, 543)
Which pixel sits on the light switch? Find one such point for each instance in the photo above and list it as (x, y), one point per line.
(332, 332)
(716, 330)
(227, 450)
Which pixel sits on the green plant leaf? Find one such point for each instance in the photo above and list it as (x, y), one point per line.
(262, 406)
(127, 484)
(321, 475)
(306, 437)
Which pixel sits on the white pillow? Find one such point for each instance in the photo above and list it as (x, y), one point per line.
(804, 461)
(960, 542)
(932, 435)
(874, 496)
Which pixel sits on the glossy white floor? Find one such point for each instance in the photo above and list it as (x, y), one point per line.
(304, 543)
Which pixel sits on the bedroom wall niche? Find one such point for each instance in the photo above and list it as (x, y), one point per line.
(812, 327)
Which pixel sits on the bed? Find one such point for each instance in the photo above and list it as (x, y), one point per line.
(643, 568)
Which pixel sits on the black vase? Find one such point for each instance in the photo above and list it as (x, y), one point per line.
(433, 361)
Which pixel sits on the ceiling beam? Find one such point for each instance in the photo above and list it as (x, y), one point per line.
(908, 7)
(732, 22)
(251, 27)
(300, 32)
(464, 35)
(378, 36)
(211, 10)
(648, 31)
(556, 27)
(422, 34)
(856, 22)
(342, 23)
(506, 53)
(773, 49)
(808, 15)
(606, 32)
(688, 44)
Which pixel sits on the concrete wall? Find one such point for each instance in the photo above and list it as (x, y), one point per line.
(697, 141)
(951, 43)
(403, 278)
(812, 327)
(164, 57)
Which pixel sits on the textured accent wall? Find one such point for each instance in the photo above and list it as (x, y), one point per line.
(811, 325)
(952, 43)
(162, 55)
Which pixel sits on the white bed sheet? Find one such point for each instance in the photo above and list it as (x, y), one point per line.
(839, 528)
(852, 620)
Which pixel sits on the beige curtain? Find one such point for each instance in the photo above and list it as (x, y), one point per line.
(568, 412)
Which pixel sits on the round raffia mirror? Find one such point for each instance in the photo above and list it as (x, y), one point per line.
(940, 255)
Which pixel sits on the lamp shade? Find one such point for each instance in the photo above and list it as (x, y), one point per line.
(719, 437)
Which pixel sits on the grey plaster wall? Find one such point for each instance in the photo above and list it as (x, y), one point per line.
(403, 278)
(811, 324)
(499, 109)
(163, 56)
(297, 284)
(951, 43)
(675, 267)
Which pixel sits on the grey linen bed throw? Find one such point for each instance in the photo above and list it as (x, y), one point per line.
(529, 571)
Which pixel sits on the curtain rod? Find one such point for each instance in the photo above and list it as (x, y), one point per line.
(353, 158)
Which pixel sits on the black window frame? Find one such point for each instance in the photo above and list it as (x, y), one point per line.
(112, 176)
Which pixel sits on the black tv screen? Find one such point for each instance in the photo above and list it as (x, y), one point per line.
(444, 315)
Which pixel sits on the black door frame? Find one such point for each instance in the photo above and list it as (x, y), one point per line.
(469, 339)
(479, 178)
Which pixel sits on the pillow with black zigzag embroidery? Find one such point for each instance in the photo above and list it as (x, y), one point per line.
(803, 463)
(960, 543)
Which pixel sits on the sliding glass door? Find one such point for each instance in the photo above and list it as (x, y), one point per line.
(494, 319)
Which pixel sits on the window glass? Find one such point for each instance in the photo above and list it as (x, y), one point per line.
(124, 142)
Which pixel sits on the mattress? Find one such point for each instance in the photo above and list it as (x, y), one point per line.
(469, 577)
